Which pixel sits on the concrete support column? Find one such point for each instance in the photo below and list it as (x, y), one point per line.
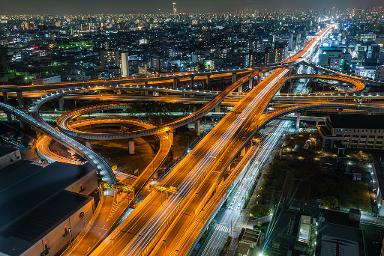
(131, 147)
(240, 88)
(291, 82)
(5, 100)
(88, 144)
(197, 127)
(5, 97)
(250, 84)
(298, 115)
(218, 109)
(234, 77)
(20, 99)
(146, 93)
(175, 83)
(208, 80)
(192, 81)
(61, 103)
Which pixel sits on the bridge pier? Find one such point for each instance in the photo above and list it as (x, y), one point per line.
(250, 84)
(175, 83)
(61, 103)
(20, 99)
(234, 77)
(5, 100)
(5, 97)
(193, 81)
(218, 109)
(197, 128)
(257, 79)
(208, 80)
(240, 88)
(298, 115)
(131, 147)
(88, 144)
(291, 85)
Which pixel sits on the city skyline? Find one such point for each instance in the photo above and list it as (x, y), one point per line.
(209, 129)
(165, 6)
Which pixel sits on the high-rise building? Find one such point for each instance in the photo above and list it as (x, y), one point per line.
(155, 63)
(124, 64)
(109, 58)
(331, 57)
(174, 8)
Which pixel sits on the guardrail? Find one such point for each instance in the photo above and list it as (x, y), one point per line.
(101, 165)
(63, 122)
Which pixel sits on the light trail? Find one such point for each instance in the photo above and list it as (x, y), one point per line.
(269, 141)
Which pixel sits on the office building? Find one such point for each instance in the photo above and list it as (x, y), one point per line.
(124, 64)
(353, 131)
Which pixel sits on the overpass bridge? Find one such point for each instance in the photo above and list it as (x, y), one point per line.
(101, 165)
(158, 218)
(175, 216)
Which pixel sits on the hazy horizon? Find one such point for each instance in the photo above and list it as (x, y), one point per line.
(164, 6)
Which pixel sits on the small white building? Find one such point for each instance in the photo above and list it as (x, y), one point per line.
(47, 80)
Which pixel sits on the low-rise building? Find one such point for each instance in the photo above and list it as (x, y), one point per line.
(43, 208)
(8, 156)
(47, 80)
(248, 241)
(339, 235)
(353, 131)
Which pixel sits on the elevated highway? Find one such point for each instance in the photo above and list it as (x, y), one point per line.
(359, 78)
(199, 177)
(182, 236)
(157, 216)
(112, 209)
(165, 79)
(101, 165)
(62, 122)
(356, 83)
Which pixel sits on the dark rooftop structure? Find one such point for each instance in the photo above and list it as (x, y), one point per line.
(339, 232)
(19, 236)
(34, 200)
(5, 150)
(357, 121)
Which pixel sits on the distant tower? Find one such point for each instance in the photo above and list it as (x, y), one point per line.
(174, 9)
(124, 64)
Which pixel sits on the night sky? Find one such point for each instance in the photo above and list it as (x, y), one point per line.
(152, 6)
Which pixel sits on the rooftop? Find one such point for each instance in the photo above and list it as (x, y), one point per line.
(5, 150)
(34, 201)
(24, 186)
(357, 121)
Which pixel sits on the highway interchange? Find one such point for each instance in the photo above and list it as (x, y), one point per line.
(169, 221)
